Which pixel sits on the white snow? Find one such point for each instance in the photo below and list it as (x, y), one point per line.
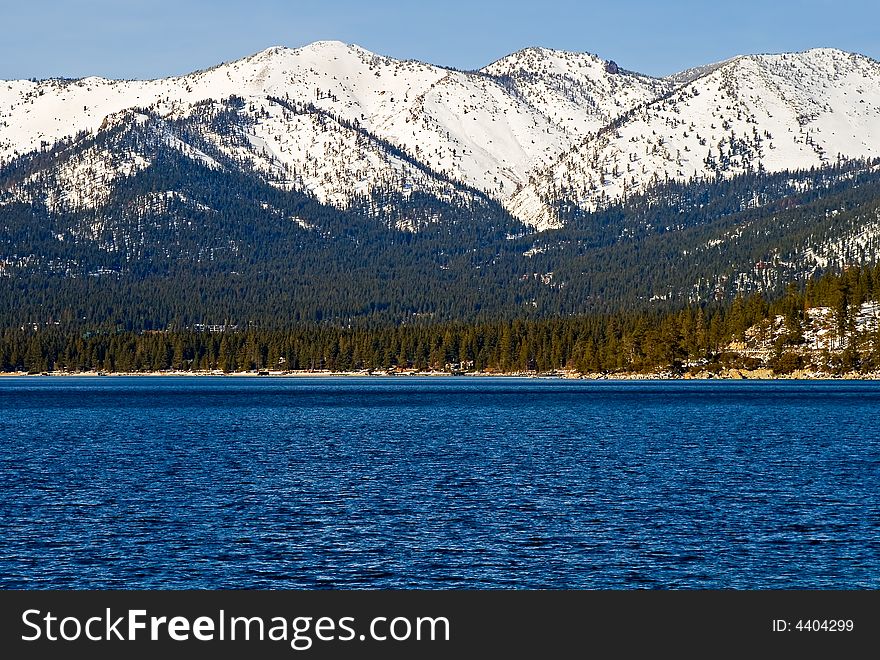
(84, 182)
(779, 112)
(527, 129)
(856, 246)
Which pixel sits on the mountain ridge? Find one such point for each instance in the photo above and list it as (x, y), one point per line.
(506, 129)
(327, 183)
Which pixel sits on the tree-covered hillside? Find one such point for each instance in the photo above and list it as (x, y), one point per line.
(183, 243)
(829, 326)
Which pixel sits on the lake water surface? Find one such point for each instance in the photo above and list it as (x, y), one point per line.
(288, 483)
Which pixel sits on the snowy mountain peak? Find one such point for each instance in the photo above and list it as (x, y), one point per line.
(331, 45)
(756, 112)
(325, 48)
(532, 54)
(531, 130)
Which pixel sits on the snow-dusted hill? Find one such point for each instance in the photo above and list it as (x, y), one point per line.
(531, 130)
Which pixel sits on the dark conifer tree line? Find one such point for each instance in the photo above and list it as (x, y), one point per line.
(691, 338)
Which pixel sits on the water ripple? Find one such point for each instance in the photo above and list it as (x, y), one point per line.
(437, 483)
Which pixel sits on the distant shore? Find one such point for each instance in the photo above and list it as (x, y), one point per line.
(727, 374)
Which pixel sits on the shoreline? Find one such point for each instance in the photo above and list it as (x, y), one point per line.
(730, 374)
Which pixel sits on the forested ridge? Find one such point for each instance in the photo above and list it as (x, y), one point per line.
(691, 339)
(182, 245)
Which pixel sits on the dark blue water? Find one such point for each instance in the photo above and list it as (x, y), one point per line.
(437, 483)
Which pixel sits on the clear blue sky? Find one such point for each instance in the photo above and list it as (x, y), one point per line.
(147, 39)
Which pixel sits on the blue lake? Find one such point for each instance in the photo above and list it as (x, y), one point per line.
(289, 483)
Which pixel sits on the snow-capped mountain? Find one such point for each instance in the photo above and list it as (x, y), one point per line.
(762, 112)
(531, 131)
(486, 130)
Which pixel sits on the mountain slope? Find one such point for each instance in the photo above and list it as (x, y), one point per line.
(185, 243)
(331, 185)
(530, 130)
(467, 126)
(762, 112)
